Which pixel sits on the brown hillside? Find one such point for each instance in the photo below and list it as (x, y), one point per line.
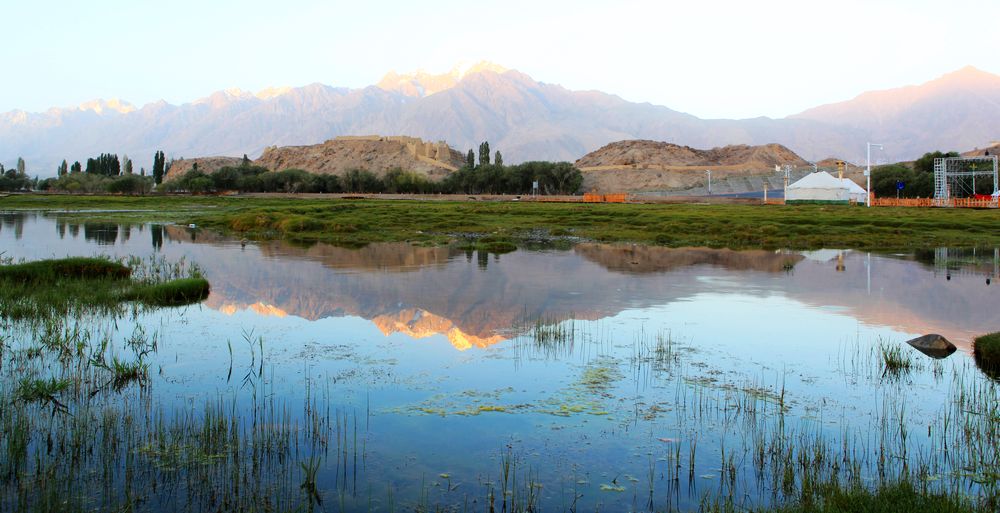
(642, 165)
(992, 150)
(370, 153)
(205, 165)
(373, 153)
(645, 154)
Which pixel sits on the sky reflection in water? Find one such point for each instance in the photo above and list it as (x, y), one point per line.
(424, 341)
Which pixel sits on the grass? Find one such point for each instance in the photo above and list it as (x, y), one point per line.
(181, 291)
(359, 222)
(895, 361)
(34, 389)
(901, 497)
(79, 268)
(986, 350)
(51, 288)
(490, 244)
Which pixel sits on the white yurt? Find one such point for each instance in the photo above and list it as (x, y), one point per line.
(858, 193)
(820, 187)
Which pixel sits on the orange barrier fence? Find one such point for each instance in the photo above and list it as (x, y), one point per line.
(972, 203)
(931, 202)
(902, 202)
(591, 197)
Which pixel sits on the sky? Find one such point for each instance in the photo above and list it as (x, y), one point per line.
(710, 58)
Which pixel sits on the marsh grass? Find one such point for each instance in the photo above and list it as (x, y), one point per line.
(49, 289)
(359, 222)
(986, 350)
(899, 497)
(35, 389)
(181, 291)
(491, 244)
(896, 361)
(43, 272)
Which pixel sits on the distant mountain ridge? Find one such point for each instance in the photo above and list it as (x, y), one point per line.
(523, 118)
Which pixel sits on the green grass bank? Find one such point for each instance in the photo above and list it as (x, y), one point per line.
(44, 289)
(359, 222)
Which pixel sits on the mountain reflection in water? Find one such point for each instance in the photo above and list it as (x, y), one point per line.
(475, 299)
(422, 291)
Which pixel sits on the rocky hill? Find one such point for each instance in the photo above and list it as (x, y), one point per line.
(644, 165)
(205, 164)
(371, 153)
(377, 154)
(991, 150)
(644, 154)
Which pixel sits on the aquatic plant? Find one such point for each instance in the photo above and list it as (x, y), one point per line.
(49, 271)
(49, 289)
(358, 222)
(894, 360)
(35, 389)
(986, 350)
(181, 291)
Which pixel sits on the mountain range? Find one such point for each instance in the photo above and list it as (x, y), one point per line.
(523, 118)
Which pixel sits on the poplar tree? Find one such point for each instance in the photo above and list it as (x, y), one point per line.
(470, 159)
(63, 168)
(158, 163)
(20, 167)
(498, 159)
(484, 153)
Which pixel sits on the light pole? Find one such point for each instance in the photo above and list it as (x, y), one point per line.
(709, 172)
(868, 173)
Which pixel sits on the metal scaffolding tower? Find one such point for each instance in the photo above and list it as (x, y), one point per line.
(955, 177)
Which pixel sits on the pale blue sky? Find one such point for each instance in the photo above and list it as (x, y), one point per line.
(710, 58)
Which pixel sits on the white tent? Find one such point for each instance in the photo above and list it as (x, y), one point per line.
(819, 187)
(858, 194)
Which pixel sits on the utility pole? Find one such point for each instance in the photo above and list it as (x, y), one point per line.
(868, 173)
(709, 172)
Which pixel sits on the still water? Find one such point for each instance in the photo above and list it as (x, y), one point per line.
(615, 377)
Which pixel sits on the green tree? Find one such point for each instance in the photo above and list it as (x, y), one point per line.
(20, 167)
(158, 167)
(359, 180)
(128, 165)
(925, 164)
(498, 159)
(76, 167)
(470, 159)
(63, 169)
(484, 153)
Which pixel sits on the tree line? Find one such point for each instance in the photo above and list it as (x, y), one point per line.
(484, 177)
(16, 178)
(103, 173)
(918, 180)
(110, 173)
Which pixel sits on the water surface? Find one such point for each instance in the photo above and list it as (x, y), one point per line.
(660, 351)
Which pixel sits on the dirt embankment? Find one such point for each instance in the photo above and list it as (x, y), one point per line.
(377, 154)
(653, 165)
(205, 164)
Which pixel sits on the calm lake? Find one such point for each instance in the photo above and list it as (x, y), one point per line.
(611, 377)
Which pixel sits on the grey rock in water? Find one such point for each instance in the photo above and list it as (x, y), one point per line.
(933, 345)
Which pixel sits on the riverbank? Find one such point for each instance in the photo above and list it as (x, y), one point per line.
(356, 222)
